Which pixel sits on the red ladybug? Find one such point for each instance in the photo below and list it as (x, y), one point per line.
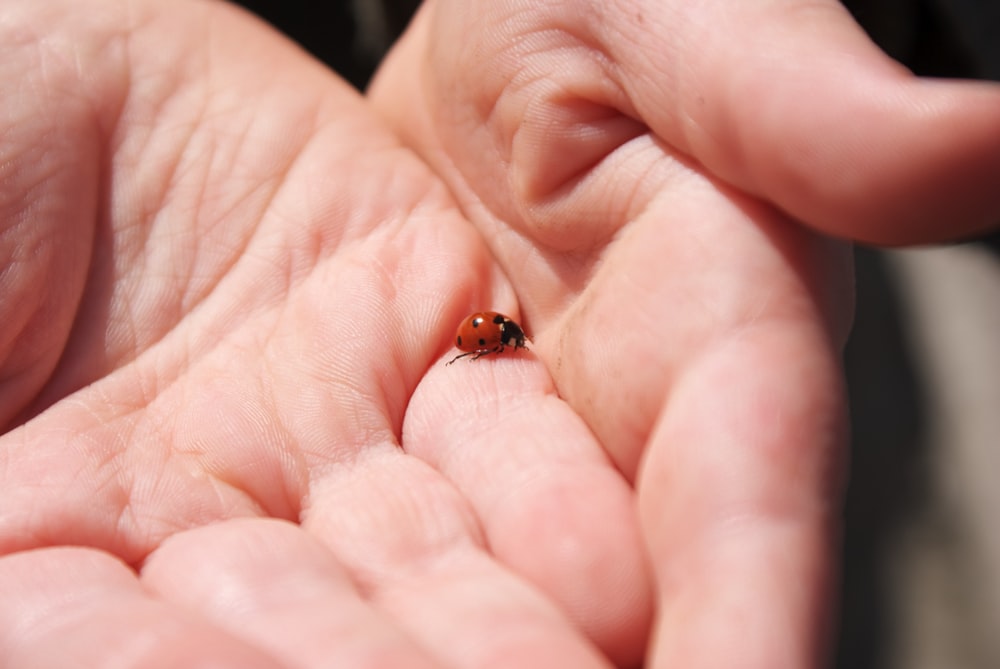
(487, 332)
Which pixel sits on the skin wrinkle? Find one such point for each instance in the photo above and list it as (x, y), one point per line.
(629, 79)
(437, 526)
(124, 452)
(546, 185)
(249, 239)
(269, 425)
(514, 89)
(124, 265)
(367, 280)
(274, 444)
(130, 489)
(565, 92)
(577, 269)
(295, 482)
(34, 325)
(238, 255)
(382, 282)
(100, 470)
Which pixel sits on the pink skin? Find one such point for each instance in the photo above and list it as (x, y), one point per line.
(231, 283)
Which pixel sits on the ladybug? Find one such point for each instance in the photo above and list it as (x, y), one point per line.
(487, 332)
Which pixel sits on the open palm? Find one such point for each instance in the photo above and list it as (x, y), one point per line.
(230, 287)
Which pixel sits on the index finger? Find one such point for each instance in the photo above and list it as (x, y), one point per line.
(552, 506)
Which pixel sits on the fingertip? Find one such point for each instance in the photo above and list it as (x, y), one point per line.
(553, 508)
(890, 161)
(581, 522)
(793, 103)
(849, 142)
(83, 607)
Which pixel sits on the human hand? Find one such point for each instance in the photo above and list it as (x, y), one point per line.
(231, 438)
(647, 174)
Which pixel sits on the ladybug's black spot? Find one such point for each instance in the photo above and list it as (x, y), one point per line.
(482, 342)
(476, 322)
(499, 319)
(458, 340)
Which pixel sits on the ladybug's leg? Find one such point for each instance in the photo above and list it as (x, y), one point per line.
(460, 356)
(495, 349)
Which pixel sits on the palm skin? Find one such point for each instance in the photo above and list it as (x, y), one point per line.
(232, 285)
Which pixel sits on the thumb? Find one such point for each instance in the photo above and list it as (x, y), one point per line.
(789, 100)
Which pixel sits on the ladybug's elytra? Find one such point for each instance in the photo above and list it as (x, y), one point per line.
(487, 332)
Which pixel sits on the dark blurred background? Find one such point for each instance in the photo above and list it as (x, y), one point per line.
(921, 584)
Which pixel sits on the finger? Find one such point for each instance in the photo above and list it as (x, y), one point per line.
(790, 101)
(275, 586)
(72, 607)
(551, 505)
(739, 498)
(414, 546)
